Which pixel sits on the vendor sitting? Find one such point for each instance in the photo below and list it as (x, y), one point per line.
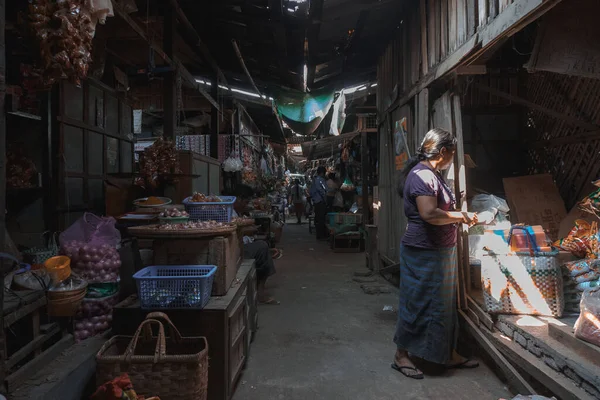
(255, 249)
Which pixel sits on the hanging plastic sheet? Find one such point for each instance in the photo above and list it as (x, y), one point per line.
(303, 112)
(339, 115)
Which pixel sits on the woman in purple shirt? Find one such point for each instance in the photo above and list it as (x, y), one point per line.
(427, 315)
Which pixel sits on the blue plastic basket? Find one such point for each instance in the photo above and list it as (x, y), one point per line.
(219, 212)
(175, 286)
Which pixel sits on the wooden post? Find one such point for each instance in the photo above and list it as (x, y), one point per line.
(364, 156)
(170, 82)
(2, 184)
(464, 275)
(214, 120)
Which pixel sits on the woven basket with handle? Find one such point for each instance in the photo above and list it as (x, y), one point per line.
(179, 374)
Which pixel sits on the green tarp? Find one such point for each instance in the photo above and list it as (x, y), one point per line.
(303, 112)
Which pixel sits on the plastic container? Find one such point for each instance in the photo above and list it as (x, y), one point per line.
(58, 267)
(219, 212)
(331, 217)
(175, 286)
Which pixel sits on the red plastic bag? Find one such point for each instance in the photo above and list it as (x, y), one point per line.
(92, 230)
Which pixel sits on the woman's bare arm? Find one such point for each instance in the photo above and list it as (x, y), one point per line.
(431, 213)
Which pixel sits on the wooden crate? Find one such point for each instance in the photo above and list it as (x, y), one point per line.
(347, 243)
(226, 322)
(224, 252)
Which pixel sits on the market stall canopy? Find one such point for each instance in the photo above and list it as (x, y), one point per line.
(303, 112)
(326, 147)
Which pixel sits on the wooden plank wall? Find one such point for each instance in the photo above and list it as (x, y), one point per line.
(430, 32)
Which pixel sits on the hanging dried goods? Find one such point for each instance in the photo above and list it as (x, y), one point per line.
(64, 31)
(159, 163)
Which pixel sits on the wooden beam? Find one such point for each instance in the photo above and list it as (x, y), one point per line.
(460, 185)
(173, 62)
(32, 346)
(483, 316)
(516, 381)
(439, 71)
(506, 20)
(563, 141)
(556, 114)
(3, 350)
(557, 383)
(267, 103)
(521, 13)
(423, 16)
(191, 31)
(564, 334)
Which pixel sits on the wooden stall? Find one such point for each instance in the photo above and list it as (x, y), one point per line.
(466, 74)
(228, 323)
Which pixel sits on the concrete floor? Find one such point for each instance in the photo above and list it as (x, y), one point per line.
(329, 340)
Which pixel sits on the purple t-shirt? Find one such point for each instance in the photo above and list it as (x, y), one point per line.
(423, 181)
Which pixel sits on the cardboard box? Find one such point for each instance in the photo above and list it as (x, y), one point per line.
(535, 200)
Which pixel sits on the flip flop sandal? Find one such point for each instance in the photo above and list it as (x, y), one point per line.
(467, 364)
(419, 375)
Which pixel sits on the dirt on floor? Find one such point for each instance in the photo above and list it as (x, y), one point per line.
(330, 340)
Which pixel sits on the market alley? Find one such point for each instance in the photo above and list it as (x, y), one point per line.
(330, 340)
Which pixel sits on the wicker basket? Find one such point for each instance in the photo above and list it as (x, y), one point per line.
(522, 284)
(180, 375)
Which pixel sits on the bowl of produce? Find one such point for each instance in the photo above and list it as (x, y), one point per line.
(152, 202)
(173, 216)
(202, 198)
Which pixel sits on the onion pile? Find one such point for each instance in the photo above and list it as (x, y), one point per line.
(173, 212)
(208, 225)
(94, 263)
(94, 317)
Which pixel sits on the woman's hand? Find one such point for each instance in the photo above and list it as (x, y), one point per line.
(470, 219)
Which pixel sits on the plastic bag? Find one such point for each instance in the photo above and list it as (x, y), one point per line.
(487, 202)
(587, 326)
(582, 241)
(92, 230)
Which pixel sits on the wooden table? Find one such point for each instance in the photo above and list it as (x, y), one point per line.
(228, 323)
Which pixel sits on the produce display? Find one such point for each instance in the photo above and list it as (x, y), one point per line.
(94, 263)
(151, 201)
(202, 198)
(242, 221)
(206, 225)
(173, 213)
(261, 204)
(64, 31)
(94, 316)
